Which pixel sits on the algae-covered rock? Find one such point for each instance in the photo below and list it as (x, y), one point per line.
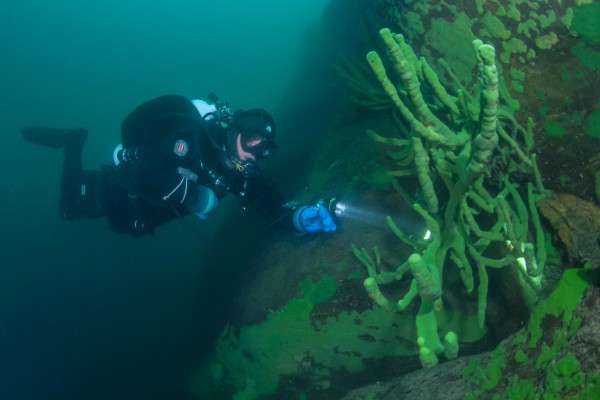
(577, 223)
(558, 357)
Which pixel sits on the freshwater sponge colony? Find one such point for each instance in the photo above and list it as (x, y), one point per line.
(464, 151)
(547, 52)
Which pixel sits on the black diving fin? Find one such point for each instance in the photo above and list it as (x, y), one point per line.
(55, 137)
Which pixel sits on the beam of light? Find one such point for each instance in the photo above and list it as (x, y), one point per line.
(409, 223)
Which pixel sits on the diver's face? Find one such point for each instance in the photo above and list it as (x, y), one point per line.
(251, 145)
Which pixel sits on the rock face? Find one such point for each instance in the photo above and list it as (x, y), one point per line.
(555, 88)
(449, 380)
(585, 344)
(444, 381)
(577, 223)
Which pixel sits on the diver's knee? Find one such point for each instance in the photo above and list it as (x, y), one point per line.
(84, 197)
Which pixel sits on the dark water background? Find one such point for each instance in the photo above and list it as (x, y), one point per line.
(85, 313)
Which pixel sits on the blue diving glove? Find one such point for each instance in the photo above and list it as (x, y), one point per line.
(314, 218)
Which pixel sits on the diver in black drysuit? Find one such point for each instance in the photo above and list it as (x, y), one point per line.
(177, 157)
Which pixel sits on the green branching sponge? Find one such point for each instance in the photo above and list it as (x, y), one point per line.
(598, 186)
(427, 278)
(451, 345)
(486, 140)
(374, 292)
(462, 149)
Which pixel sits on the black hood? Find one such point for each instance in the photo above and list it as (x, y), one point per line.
(253, 125)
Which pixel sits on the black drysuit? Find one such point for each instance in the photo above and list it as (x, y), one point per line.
(166, 139)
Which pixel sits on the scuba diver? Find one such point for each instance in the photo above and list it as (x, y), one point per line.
(177, 157)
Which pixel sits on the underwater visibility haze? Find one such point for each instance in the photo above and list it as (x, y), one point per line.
(86, 313)
(456, 143)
